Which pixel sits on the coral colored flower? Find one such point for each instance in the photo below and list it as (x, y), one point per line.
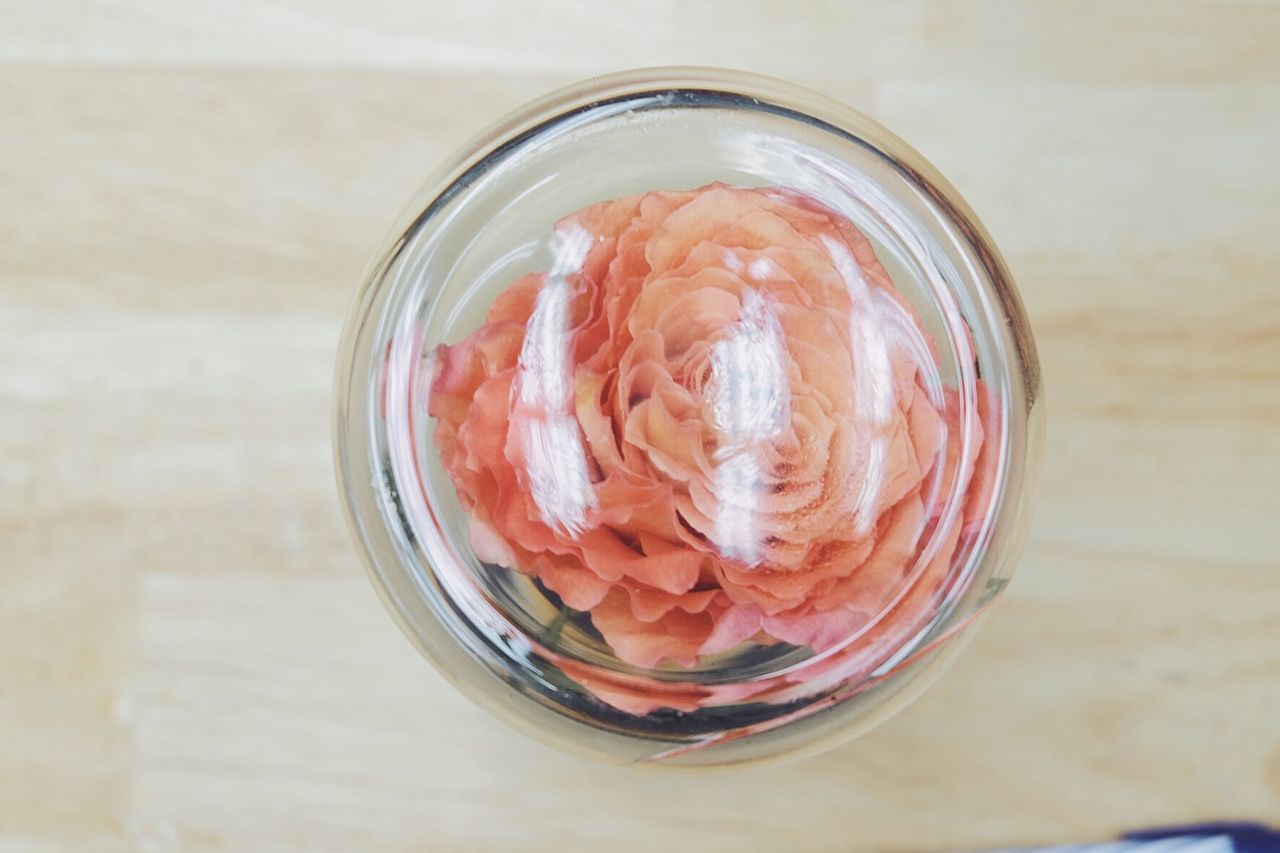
(711, 421)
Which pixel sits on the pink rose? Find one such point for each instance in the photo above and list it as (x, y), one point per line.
(712, 422)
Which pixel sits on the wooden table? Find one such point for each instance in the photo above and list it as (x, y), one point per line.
(192, 658)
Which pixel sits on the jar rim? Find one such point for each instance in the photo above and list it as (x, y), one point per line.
(379, 319)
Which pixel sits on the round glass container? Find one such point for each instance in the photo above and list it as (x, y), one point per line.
(688, 418)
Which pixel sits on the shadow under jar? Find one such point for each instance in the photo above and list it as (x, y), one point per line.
(688, 418)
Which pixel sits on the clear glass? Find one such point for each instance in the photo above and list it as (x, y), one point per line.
(688, 418)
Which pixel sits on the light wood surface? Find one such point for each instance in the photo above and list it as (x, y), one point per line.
(192, 658)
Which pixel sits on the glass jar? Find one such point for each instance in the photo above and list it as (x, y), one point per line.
(688, 418)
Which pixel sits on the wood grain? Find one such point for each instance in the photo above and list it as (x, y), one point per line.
(192, 658)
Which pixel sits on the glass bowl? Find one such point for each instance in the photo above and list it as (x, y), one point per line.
(688, 418)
